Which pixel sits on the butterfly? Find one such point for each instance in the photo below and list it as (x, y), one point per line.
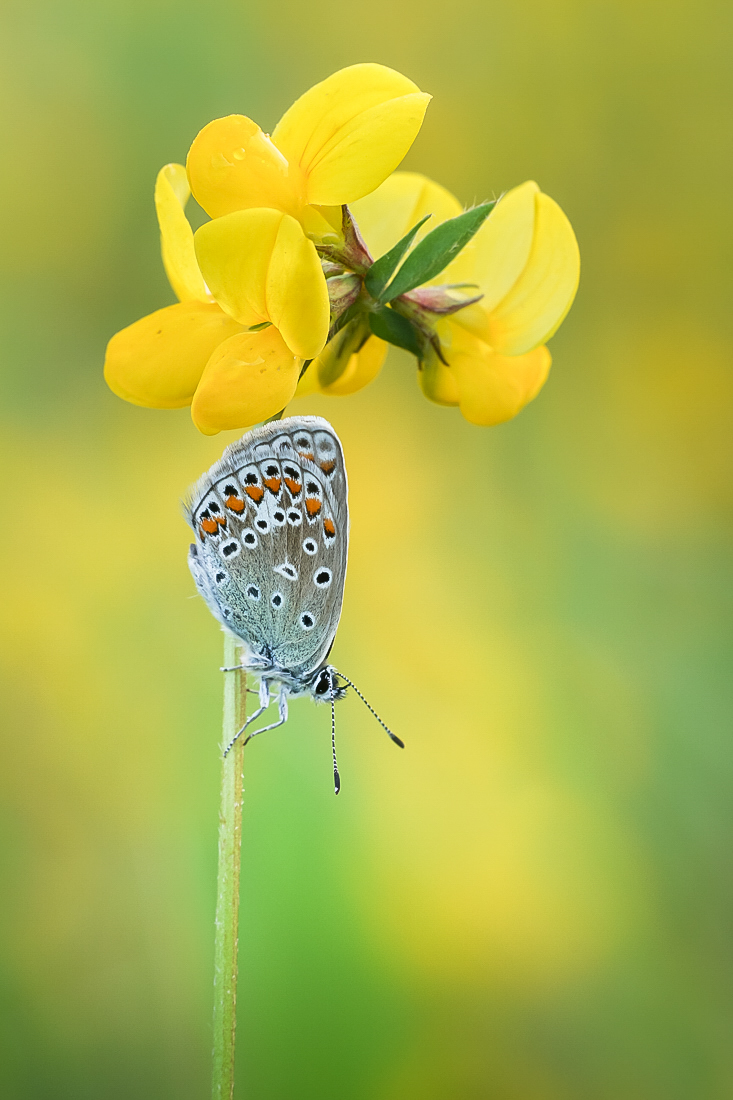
(272, 524)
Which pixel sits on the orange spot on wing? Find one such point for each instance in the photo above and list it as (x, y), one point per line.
(293, 486)
(236, 504)
(329, 527)
(313, 506)
(221, 520)
(328, 466)
(210, 526)
(306, 454)
(255, 493)
(273, 484)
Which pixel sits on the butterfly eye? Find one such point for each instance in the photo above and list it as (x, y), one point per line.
(220, 577)
(322, 578)
(324, 683)
(253, 592)
(230, 549)
(309, 546)
(249, 538)
(294, 518)
(306, 621)
(277, 600)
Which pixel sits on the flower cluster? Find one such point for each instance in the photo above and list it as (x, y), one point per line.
(319, 254)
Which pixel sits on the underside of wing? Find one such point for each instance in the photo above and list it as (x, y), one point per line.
(271, 520)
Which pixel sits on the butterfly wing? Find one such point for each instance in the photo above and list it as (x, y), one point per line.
(271, 519)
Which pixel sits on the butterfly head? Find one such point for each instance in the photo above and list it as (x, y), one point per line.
(325, 685)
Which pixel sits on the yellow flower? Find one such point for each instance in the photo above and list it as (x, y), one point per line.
(255, 265)
(525, 262)
(336, 143)
(201, 351)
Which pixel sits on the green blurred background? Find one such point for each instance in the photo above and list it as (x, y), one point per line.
(535, 900)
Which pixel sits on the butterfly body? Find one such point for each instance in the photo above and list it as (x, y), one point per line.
(272, 526)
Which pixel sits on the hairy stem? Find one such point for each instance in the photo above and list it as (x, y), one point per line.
(226, 934)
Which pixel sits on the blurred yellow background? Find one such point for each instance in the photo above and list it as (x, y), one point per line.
(533, 901)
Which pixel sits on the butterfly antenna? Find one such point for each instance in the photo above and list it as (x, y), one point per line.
(336, 776)
(384, 725)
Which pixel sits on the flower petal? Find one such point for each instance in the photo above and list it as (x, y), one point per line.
(323, 223)
(438, 382)
(249, 378)
(499, 252)
(158, 360)
(494, 388)
(297, 294)
(232, 165)
(260, 266)
(176, 236)
(234, 253)
(538, 302)
(400, 202)
(330, 375)
(349, 132)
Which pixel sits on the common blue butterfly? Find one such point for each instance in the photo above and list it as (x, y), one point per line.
(272, 525)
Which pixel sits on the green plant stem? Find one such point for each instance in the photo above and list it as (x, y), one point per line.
(226, 935)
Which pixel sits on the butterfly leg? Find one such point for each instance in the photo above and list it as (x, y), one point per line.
(264, 694)
(282, 707)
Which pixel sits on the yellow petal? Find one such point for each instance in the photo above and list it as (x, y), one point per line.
(308, 384)
(438, 382)
(249, 378)
(260, 266)
(159, 360)
(494, 388)
(328, 367)
(349, 132)
(234, 253)
(297, 295)
(332, 376)
(499, 252)
(232, 165)
(399, 203)
(323, 223)
(176, 236)
(537, 304)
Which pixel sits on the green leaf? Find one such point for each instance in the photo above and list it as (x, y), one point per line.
(397, 330)
(384, 268)
(259, 328)
(437, 250)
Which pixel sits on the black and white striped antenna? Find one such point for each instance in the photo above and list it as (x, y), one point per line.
(384, 725)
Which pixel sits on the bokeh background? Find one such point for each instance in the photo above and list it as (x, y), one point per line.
(535, 900)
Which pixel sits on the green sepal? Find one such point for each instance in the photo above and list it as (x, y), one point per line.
(395, 329)
(335, 357)
(384, 268)
(437, 250)
(259, 328)
(354, 311)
